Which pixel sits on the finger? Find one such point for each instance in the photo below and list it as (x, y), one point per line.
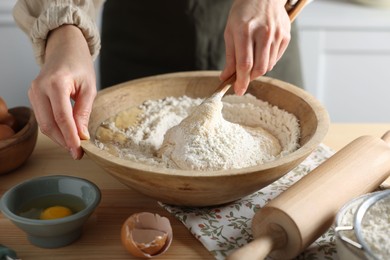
(276, 39)
(230, 65)
(82, 109)
(262, 54)
(283, 47)
(62, 111)
(45, 119)
(244, 61)
(273, 55)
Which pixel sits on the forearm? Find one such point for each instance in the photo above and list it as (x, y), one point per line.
(38, 17)
(66, 38)
(67, 73)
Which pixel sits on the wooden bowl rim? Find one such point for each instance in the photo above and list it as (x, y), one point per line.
(320, 112)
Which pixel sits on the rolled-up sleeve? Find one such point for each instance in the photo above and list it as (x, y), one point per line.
(38, 17)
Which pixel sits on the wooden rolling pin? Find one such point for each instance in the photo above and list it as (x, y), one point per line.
(297, 217)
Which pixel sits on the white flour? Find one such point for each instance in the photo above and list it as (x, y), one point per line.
(224, 144)
(206, 141)
(376, 228)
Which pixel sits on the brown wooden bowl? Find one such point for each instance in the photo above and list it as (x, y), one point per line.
(206, 188)
(15, 150)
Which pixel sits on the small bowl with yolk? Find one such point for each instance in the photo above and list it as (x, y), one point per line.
(51, 209)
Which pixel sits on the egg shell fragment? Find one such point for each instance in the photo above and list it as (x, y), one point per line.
(146, 234)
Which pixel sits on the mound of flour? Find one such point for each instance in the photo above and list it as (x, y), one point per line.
(206, 141)
(248, 132)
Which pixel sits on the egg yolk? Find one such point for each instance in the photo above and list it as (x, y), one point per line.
(55, 212)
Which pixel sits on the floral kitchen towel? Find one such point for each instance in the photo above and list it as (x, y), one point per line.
(224, 229)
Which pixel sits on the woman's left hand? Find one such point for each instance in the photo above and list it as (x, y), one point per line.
(256, 35)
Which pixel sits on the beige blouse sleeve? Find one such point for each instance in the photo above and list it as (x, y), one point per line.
(38, 17)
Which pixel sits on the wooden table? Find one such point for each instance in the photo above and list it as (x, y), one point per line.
(101, 237)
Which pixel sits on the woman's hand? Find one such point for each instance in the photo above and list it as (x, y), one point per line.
(256, 35)
(67, 74)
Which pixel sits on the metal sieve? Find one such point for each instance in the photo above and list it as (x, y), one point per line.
(359, 207)
(361, 214)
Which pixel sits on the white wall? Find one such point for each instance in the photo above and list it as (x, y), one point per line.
(17, 64)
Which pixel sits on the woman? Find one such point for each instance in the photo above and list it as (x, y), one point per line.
(140, 38)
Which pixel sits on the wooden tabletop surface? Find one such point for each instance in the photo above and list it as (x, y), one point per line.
(101, 237)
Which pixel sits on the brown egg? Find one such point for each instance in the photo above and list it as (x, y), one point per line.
(3, 109)
(146, 235)
(9, 120)
(5, 132)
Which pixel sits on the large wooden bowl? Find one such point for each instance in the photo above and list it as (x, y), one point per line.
(194, 188)
(15, 150)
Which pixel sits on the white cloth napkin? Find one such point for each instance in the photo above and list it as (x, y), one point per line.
(223, 229)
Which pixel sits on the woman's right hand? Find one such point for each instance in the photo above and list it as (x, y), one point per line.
(67, 74)
(256, 35)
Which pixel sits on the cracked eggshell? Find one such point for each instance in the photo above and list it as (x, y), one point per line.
(146, 234)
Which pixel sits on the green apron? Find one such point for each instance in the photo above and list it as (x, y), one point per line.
(149, 37)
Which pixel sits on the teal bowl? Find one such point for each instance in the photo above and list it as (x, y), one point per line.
(43, 192)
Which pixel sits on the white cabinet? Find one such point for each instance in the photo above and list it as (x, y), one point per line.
(345, 55)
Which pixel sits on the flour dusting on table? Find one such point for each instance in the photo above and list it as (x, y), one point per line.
(247, 133)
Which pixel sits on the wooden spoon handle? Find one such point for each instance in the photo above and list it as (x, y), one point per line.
(225, 85)
(296, 9)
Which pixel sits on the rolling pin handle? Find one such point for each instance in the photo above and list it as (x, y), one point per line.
(274, 237)
(386, 137)
(257, 249)
(386, 183)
